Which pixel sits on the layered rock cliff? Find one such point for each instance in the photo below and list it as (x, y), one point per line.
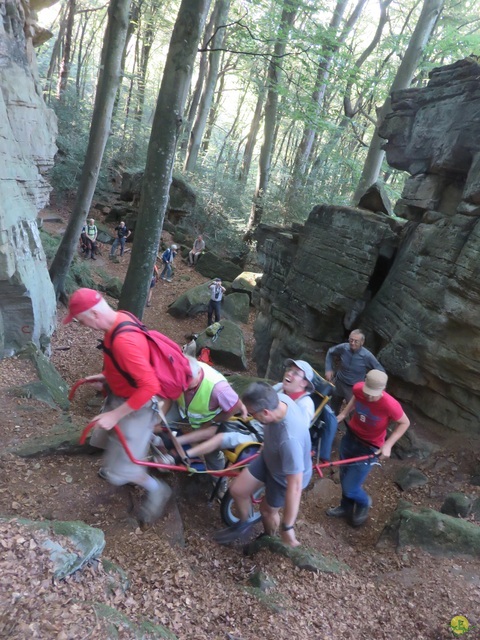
(27, 149)
(411, 284)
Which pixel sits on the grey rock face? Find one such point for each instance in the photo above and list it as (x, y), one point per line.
(27, 149)
(411, 285)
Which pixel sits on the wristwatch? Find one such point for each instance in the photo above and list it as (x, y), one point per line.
(287, 527)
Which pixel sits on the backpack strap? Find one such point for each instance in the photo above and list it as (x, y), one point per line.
(123, 327)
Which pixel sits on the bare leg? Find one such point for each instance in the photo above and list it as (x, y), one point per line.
(270, 518)
(208, 446)
(198, 435)
(241, 490)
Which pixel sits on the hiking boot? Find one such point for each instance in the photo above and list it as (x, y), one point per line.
(239, 532)
(101, 473)
(154, 506)
(338, 512)
(360, 513)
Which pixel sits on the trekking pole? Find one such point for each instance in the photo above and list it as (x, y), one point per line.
(323, 465)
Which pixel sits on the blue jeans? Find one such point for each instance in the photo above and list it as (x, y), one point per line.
(167, 271)
(329, 431)
(352, 476)
(116, 242)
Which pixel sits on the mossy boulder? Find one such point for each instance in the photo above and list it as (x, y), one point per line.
(433, 531)
(213, 266)
(191, 303)
(229, 347)
(236, 307)
(48, 375)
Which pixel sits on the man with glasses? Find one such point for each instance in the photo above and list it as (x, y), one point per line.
(284, 466)
(355, 362)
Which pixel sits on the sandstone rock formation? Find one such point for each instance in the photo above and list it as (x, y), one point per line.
(27, 149)
(411, 283)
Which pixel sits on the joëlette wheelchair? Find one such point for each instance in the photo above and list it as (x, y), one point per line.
(323, 420)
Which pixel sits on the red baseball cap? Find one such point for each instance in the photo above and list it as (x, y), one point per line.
(81, 300)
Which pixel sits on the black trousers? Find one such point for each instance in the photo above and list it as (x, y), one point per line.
(214, 308)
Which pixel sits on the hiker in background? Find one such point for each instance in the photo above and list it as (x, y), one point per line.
(91, 233)
(83, 238)
(122, 234)
(133, 408)
(370, 411)
(153, 282)
(167, 259)
(215, 302)
(355, 361)
(196, 250)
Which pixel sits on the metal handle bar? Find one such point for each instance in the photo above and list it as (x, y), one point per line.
(77, 384)
(230, 472)
(323, 465)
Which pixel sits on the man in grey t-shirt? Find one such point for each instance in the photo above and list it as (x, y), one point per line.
(355, 363)
(284, 466)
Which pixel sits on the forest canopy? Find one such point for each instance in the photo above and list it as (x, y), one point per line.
(284, 99)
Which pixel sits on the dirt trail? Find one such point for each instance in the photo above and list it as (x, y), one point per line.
(198, 589)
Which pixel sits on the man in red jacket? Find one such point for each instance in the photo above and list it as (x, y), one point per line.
(133, 409)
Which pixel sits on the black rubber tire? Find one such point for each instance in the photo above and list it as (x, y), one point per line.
(227, 508)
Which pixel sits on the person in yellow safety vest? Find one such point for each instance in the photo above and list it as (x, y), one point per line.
(208, 401)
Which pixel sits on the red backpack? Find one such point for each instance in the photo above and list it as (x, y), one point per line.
(172, 368)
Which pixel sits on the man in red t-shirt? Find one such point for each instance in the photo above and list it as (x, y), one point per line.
(134, 409)
(373, 411)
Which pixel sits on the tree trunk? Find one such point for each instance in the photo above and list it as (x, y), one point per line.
(271, 106)
(67, 48)
(329, 50)
(107, 86)
(197, 92)
(252, 136)
(161, 152)
(431, 10)
(221, 9)
(147, 38)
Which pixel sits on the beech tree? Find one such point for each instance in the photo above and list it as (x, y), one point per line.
(166, 128)
(429, 15)
(221, 14)
(289, 11)
(108, 82)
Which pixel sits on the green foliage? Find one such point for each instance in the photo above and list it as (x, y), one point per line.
(341, 143)
(221, 214)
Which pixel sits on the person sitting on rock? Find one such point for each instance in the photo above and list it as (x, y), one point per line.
(196, 250)
(370, 411)
(122, 234)
(215, 302)
(91, 238)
